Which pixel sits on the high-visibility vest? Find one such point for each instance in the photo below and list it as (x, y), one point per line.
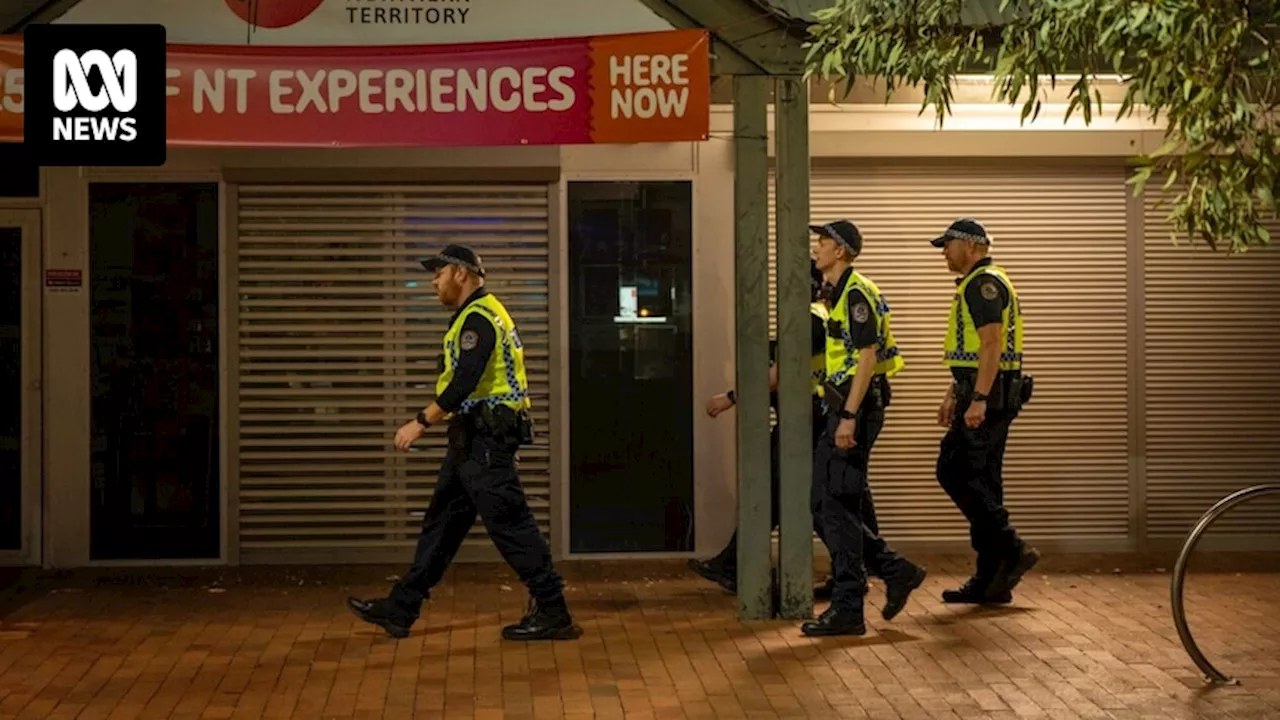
(960, 347)
(504, 381)
(842, 356)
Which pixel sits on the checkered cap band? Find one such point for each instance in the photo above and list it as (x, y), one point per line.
(961, 235)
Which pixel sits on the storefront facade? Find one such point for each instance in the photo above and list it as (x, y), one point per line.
(311, 333)
(308, 334)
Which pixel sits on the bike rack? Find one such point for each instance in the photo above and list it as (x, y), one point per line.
(1211, 673)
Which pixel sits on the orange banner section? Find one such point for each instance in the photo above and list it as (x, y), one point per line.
(641, 83)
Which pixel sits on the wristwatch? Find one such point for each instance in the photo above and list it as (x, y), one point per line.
(846, 415)
(980, 397)
(421, 417)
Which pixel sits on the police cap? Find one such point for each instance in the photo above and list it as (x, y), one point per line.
(963, 229)
(845, 234)
(455, 255)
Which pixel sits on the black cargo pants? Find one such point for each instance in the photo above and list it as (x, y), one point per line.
(844, 508)
(970, 470)
(478, 476)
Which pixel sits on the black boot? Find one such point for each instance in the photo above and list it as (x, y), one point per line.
(549, 620)
(1012, 570)
(899, 588)
(716, 574)
(977, 591)
(839, 619)
(380, 612)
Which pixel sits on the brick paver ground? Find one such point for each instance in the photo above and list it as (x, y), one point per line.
(1089, 637)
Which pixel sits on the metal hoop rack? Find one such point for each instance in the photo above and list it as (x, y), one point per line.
(1211, 673)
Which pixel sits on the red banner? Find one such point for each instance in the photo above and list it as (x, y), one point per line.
(644, 87)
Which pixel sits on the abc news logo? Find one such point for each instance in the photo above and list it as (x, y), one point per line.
(72, 92)
(96, 94)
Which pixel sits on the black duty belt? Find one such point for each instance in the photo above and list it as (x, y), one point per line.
(879, 395)
(498, 421)
(1011, 390)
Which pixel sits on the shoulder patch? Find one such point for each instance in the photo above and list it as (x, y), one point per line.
(989, 290)
(469, 340)
(861, 312)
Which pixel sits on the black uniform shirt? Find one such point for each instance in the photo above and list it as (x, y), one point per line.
(476, 341)
(986, 297)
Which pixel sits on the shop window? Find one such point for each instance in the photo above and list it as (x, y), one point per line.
(630, 366)
(153, 287)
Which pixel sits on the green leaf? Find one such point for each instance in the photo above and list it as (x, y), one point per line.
(893, 55)
(1140, 16)
(1168, 147)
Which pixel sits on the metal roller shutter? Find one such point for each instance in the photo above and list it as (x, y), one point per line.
(340, 331)
(1210, 421)
(1061, 233)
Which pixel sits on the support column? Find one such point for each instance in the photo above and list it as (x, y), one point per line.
(795, 551)
(751, 278)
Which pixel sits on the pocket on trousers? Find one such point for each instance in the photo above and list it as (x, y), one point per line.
(490, 456)
(843, 478)
(977, 439)
(852, 482)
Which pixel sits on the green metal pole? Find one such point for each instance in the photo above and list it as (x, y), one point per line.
(751, 278)
(795, 545)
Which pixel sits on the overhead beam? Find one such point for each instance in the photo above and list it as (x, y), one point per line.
(768, 41)
(751, 314)
(795, 419)
(725, 60)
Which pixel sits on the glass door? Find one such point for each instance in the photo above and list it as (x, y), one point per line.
(20, 400)
(631, 367)
(153, 295)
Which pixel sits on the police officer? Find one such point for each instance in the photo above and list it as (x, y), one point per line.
(723, 568)
(861, 355)
(482, 395)
(983, 348)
